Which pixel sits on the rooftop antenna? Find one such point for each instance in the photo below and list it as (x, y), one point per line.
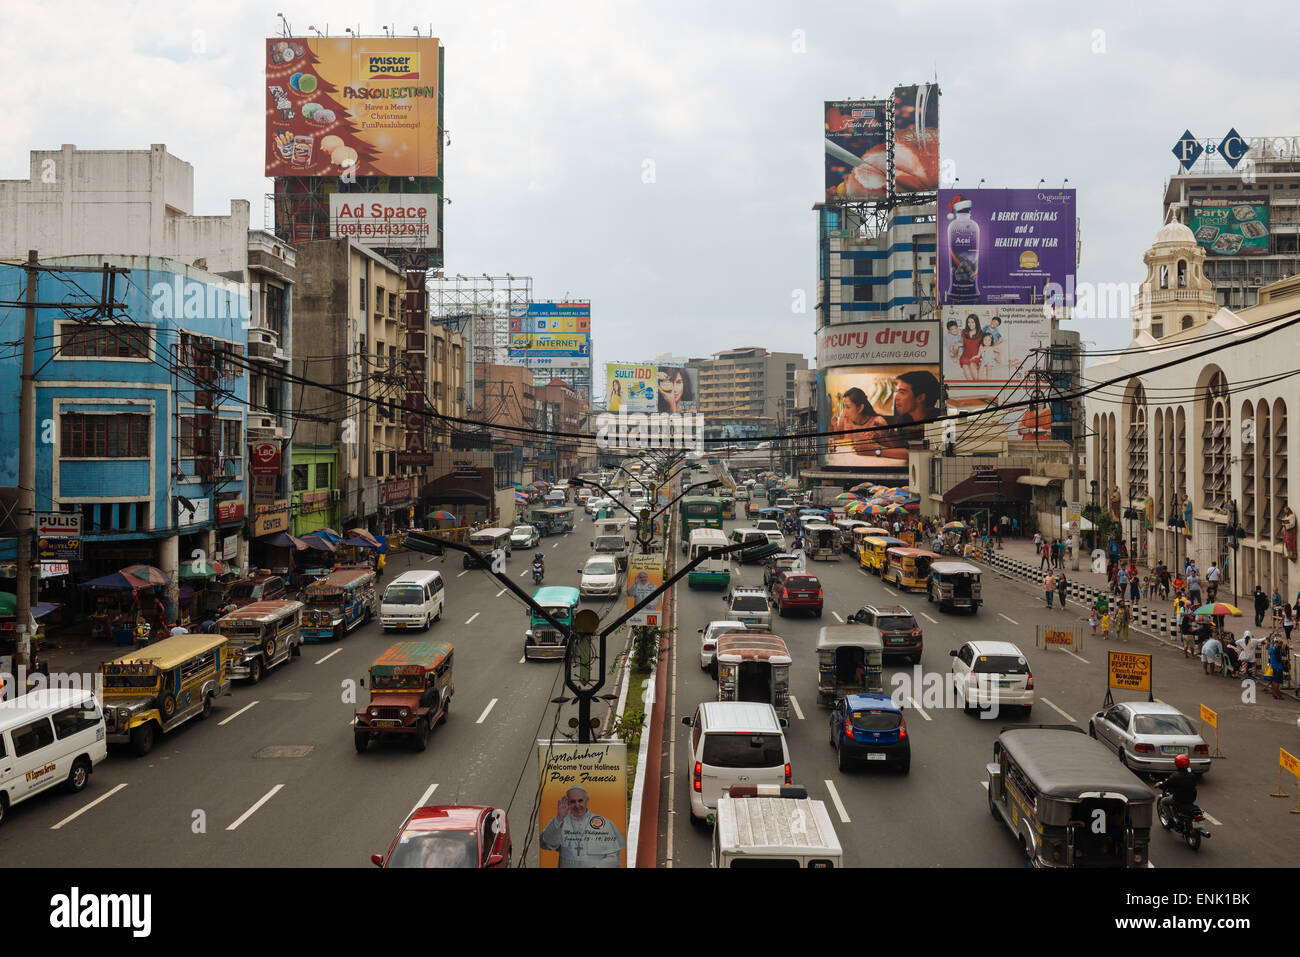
(416, 29)
(386, 33)
(287, 31)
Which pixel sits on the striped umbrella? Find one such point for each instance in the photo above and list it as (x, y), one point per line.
(1218, 608)
(895, 510)
(954, 527)
(875, 510)
(845, 497)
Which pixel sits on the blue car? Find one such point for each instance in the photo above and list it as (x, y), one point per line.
(870, 727)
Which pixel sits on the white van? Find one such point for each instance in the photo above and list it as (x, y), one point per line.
(772, 826)
(49, 737)
(711, 571)
(412, 600)
(733, 742)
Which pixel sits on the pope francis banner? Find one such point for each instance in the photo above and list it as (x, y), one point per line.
(583, 817)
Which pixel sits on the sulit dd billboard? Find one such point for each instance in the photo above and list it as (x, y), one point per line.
(1231, 227)
(364, 104)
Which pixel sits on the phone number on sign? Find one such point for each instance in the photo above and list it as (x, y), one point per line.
(383, 229)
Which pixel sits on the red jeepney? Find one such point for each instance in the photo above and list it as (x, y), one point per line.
(410, 691)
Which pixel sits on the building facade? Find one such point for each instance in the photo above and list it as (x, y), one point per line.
(865, 272)
(748, 382)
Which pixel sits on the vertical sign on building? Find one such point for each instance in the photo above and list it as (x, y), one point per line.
(415, 448)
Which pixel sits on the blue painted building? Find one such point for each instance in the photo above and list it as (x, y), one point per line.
(140, 418)
(866, 274)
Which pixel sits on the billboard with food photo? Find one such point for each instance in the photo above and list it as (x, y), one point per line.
(989, 361)
(916, 138)
(1231, 227)
(368, 105)
(855, 150)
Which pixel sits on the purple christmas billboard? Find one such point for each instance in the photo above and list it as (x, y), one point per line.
(1005, 245)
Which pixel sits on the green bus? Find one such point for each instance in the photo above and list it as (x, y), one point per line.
(699, 511)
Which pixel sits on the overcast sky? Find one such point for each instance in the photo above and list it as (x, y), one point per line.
(555, 109)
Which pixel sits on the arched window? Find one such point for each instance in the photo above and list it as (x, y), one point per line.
(1247, 516)
(1182, 274)
(1280, 491)
(1216, 442)
(1187, 322)
(1164, 276)
(1136, 448)
(1264, 469)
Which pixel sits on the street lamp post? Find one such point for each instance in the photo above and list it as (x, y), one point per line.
(1060, 519)
(1093, 486)
(1130, 514)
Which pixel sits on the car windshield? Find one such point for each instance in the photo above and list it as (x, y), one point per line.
(403, 594)
(435, 849)
(610, 543)
(1162, 724)
(896, 623)
(1001, 665)
(397, 682)
(743, 750)
(749, 603)
(603, 566)
(874, 720)
(522, 531)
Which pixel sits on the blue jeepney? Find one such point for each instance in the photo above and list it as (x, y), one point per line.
(542, 640)
(339, 602)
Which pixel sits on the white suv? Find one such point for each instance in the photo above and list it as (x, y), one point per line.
(750, 607)
(733, 742)
(992, 673)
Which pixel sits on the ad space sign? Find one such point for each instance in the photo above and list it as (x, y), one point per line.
(395, 219)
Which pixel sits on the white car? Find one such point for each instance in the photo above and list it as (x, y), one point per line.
(709, 640)
(749, 607)
(988, 673)
(524, 536)
(733, 742)
(599, 577)
(594, 505)
(772, 529)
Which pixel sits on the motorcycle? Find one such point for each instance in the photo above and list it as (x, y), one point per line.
(538, 573)
(1191, 828)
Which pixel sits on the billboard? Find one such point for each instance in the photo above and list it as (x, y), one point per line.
(855, 150)
(386, 219)
(365, 104)
(631, 387)
(586, 784)
(553, 317)
(679, 389)
(916, 138)
(645, 573)
(1231, 227)
(1005, 245)
(551, 335)
(988, 361)
(880, 376)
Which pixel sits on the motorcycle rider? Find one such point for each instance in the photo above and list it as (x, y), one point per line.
(1181, 786)
(539, 565)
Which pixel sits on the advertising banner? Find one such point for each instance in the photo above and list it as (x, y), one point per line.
(586, 784)
(878, 343)
(394, 219)
(1231, 227)
(549, 344)
(679, 389)
(271, 519)
(988, 360)
(264, 458)
(59, 549)
(916, 138)
(855, 150)
(365, 104)
(555, 317)
(1005, 245)
(645, 573)
(631, 388)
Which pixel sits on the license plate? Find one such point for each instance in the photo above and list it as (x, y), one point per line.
(386, 723)
(1173, 749)
(875, 757)
(897, 641)
(1006, 684)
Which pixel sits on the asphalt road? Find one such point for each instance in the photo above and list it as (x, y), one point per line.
(937, 816)
(272, 777)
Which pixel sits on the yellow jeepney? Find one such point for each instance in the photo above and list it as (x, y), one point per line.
(872, 556)
(908, 568)
(163, 685)
(860, 536)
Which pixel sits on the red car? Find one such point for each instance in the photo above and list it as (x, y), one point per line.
(450, 835)
(797, 590)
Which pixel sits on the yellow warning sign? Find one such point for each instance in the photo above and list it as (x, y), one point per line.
(1128, 671)
(1288, 762)
(1210, 717)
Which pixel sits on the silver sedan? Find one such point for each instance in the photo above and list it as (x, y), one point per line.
(1148, 735)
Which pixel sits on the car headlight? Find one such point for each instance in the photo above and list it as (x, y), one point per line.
(403, 713)
(374, 712)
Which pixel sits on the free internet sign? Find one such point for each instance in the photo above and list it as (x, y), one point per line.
(385, 219)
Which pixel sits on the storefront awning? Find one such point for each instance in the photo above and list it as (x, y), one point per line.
(1041, 481)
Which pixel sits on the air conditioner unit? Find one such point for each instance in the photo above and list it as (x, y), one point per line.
(261, 350)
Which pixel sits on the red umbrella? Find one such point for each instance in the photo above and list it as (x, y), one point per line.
(145, 573)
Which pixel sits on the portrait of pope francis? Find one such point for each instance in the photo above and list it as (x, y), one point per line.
(583, 839)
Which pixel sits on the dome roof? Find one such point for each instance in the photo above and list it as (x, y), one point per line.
(1175, 233)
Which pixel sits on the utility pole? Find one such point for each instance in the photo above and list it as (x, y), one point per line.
(26, 525)
(1074, 478)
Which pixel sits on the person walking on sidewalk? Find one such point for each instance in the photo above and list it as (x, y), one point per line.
(1134, 584)
(1276, 662)
(1061, 586)
(1121, 582)
(1261, 606)
(1121, 629)
(1193, 586)
(1212, 575)
(1288, 621)
(1044, 552)
(1049, 587)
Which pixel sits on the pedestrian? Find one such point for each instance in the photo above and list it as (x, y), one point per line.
(1043, 553)
(1105, 626)
(1194, 586)
(1121, 581)
(1247, 647)
(1261, 606)
(1210, 652)
(1122, 628)
(1277, 603)
(1164, 583)
(1134, 585)
(1212, 575)
(1069, 548)
(1038, 542)
(1061, 586)
(1049, 587)
(178, 629)
(1276, 664)
(1093, 620)
(1015, 530)
(1288, 621)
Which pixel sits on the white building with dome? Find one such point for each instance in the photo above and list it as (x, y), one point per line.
(1199, 420)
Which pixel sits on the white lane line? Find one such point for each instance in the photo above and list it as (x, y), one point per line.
(252, 810)
(918, 709)
(103, 797)
(985, 785)
(798, 711)
(501, 592)
(837, 617)
(465, 572)
(1211, 819)
(557, 544)
(928, 618)
(839, 805)
(226, 721)
(1058, 710)
(329, 656)
(472, 617)
(524, 572)
(522, 659)
(424, 799)
(490, 705)
(1012, 620)
(1073, 655)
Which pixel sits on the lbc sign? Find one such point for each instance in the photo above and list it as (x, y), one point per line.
(58, 525)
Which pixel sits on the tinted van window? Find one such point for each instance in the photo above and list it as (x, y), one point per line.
(743, 751)
(876, 720)
(32, 737)
(1000, 665)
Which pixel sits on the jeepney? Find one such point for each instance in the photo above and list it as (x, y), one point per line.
(862, 533)
(542, 640)
(754, 666)
(342, 600)
(822, 542)
(908, 569)
(850, 660)
(846, 527)
(728, 506)
(261, 636)
(554, 520)
(872, 556)
(487, 540)
(1067, 800)
(955, 585)
(410, 692)
(157, 688)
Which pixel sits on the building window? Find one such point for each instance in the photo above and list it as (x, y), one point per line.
(1164, 277)
(103, 436)
(863, 294)
(392, 304)
(1187, 322)
(322, 475)
(275, 309)
(102, 341)
(1216, 440)
(1182, 274)
(379, 298)
(864, 267)
(300, 474)
(361, 288)
(1157, 328)
(232, 438)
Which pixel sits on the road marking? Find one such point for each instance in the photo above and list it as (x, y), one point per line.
(1012, 620)
(491, 704)
(424, 799)
(839, 805)
(524, 572)
(465, 572)
(472, 617)
(249, 813)
(918, 709)
(1058, 710)
(557, 544)
(798, 711)
(523, 658)
(837, 617)
(928, 618)
(1211, 819)
(329, 656)
(985, 785)
(1073, 655)
(501, 592)
(103, 797)
(226, 721)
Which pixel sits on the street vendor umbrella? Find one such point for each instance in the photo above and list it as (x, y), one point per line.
(364, 535)
(357, 541)
(1218, 608)
(190, 570)
(954, 527)
(862, 487)
(912, 506)
(875, 510)
(895, 510)
(441, 515)
(116, 581)
(285, 540)
(9, 606)
(845, 497)
(328, 534)
(145, 573)
(320, 543)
